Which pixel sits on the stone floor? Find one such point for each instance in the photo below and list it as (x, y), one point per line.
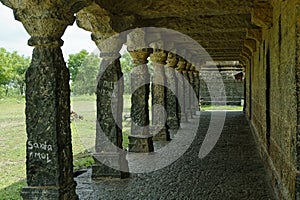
(232, 170)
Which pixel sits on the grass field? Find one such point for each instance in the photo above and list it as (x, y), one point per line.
(227, 107)
(12, 147)
(13, 140)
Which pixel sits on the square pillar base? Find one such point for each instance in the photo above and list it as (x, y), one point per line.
(162, 135)
(140, 144)
(118, 161)
(49, 192)
(184, 118)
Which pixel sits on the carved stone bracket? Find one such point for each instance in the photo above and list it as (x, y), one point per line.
(262, 14)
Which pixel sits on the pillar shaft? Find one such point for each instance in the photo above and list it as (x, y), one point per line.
(192, 93)
(188, 89)
(182, 89)
(158, 58)
(173, 118)
(140, 139)
(194, 98)
(109, 92)
(197, 89)
(49, 160)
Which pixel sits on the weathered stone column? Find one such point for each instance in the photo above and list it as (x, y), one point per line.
(49, 161)
(194, 97)
(187, 96)
(109, 93)
(197, 88)
(140, 139)
(158, 58)
(173, 118)
(192, 91)
(181, 89)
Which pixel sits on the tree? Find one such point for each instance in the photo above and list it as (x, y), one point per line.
(126, 69)
(86, 75)
(19, 65)
(75, 61)
(12, 71)
(86, 78)
(4, 72)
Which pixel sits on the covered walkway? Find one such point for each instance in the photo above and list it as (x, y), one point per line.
(232, 170)
(261, 35)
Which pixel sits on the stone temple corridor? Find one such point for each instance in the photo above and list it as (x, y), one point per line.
(258, 153)
(233, 170)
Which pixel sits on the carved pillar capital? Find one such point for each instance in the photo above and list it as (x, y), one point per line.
(196, 72)
(109, 46)
(188, 66)
(45, 26)
(172, 60)
(181, 64)
(139, 57)
(159, 56)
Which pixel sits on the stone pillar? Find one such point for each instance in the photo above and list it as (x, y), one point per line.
(181, 89)
(194, 81)
(197, 89)
(187, 86)
(49, 160)
(192, 91)
(158, 58)
(109, 93)
(140, 139)
(173, 118)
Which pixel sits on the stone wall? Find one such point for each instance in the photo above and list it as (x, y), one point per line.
(272, 109)
(234, 89)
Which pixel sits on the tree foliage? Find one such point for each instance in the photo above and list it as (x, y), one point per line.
(126, 69)
(12, 71)
(88, 69)
(86, 77)
(75, 62)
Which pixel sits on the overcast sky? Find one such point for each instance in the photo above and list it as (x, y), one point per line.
(13, 36)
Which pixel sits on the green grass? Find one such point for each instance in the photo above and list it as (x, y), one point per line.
(83, 160)
(12, 147)
(227, 107)
(13, 139)
(13, 191)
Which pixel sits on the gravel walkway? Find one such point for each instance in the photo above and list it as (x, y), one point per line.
(232, 170)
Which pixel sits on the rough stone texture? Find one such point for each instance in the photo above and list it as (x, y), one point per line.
(109, 118)
(262, 34)
(232, 170)
(297, 70)
(140, 139)
(181, 90)
(187, 93)
(49, 166)
(49, 149)
(272, 79)
(173, 121)
(219, 26)
(158, 58)
(193, 101)
(197, 88)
